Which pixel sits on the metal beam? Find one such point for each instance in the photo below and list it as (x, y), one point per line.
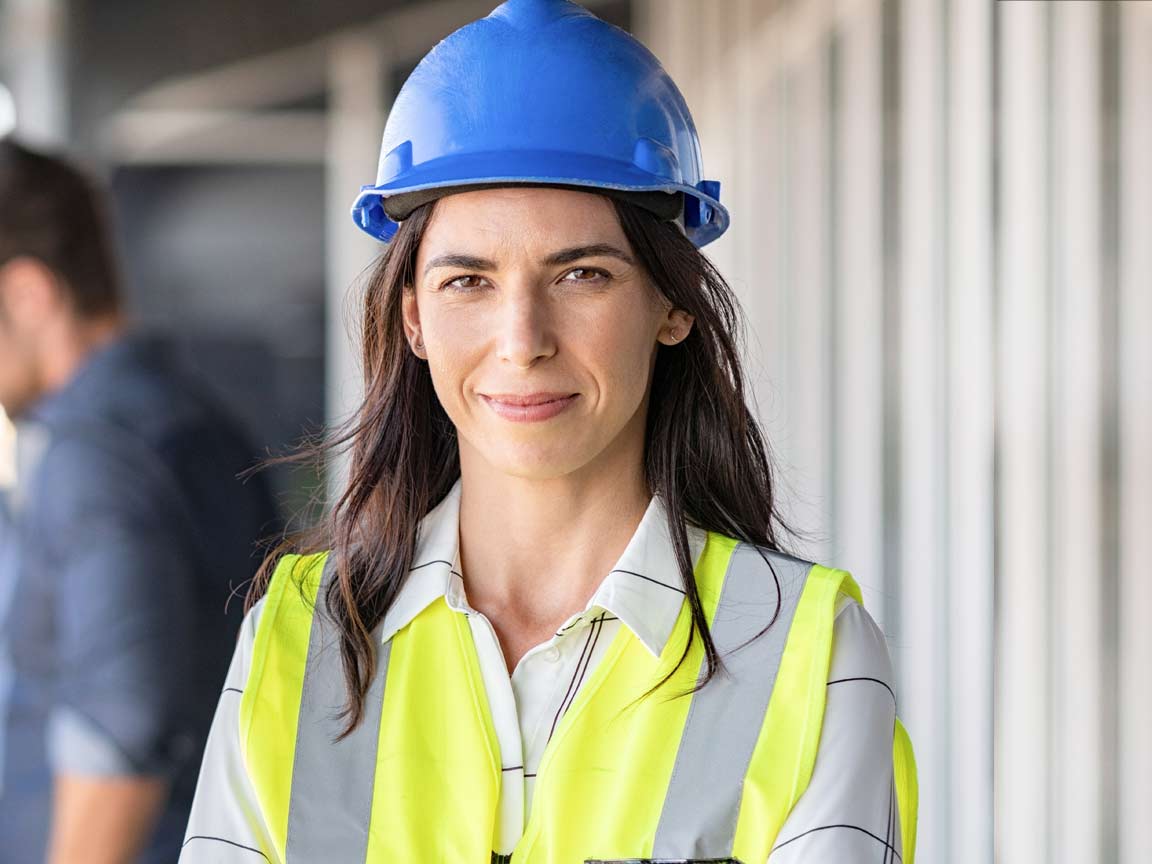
(206, 137)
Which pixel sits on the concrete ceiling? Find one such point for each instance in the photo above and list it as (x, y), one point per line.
(119, 48)
(165, 54)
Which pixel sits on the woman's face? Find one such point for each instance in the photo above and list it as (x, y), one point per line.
(540, 328)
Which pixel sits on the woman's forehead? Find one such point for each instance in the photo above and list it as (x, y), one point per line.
(520, 220)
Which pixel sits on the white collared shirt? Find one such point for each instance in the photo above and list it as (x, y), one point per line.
(846, 815)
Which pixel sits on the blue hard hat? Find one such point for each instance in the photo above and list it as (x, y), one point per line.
(542, 92)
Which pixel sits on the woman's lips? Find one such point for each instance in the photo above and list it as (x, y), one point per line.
(531, 408)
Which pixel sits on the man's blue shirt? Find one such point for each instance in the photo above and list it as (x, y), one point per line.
(127, 533)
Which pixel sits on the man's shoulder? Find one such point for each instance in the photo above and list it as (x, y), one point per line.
(152, 393)
(142, 397)
(88, 468)
(121, 429)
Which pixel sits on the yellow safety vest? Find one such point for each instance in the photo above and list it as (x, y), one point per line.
(711, 776)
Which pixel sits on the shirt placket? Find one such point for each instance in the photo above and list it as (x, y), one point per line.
(527, 706)
(502, 708)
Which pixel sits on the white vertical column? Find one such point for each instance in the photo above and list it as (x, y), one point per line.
(924, 492)
(746, 69)
(809, 364)
(716, 116)
(1135, 474)
(770, 324)
(970, 592)
(33, 43)
(7, 454)
(1023, 701)
(7, 103)
(858, 494)
(1076, 576)
(358, 106)
(674, 22)
(783, 334)
(757, 193)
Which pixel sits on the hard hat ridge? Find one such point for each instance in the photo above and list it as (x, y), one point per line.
(537, 13)
(541, 92)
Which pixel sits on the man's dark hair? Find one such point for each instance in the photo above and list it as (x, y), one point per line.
(53, 212)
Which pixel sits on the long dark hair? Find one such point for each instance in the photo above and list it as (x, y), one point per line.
(705, 454)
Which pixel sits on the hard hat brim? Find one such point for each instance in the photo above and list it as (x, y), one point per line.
(666, 206)
(378, 208)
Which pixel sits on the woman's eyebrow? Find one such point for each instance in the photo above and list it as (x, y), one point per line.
(455, 259)
(567, 256)
(563, 256)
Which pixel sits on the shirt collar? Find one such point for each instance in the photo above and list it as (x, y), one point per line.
(437, 544)
(644, 588)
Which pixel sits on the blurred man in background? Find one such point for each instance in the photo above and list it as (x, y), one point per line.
(128, 530)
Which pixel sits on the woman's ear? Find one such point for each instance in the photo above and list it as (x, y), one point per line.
(675, 327)
(411, 314)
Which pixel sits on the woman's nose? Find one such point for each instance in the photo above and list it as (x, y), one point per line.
(525, 332)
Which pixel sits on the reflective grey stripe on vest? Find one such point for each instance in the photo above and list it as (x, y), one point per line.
(725, 718)
(330, 806)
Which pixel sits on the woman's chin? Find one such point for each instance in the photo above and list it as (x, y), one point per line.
(539, 461)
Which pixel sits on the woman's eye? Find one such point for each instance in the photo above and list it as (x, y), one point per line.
(586, 274)
(463, 283)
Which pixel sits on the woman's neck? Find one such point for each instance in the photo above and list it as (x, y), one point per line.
(533, 552)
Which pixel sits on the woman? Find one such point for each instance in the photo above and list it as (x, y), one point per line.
(550, 618)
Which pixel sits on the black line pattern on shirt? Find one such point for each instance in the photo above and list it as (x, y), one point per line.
(231, 690)
(599, 625)
(571, 682)
(650, 579)
(603, 617)
(568, 627)
(875, 680)
(827, 827)
(577, 673)
(430, 563)
(513, 768)
(229, 842)
(891, 849)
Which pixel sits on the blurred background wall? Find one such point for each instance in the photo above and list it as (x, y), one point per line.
(942, 214)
